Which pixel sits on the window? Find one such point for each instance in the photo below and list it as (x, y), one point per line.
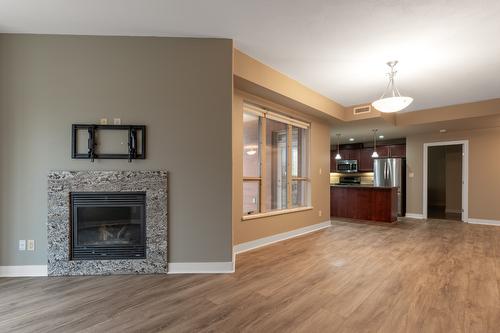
(300, 167)
(251, 163)
(276, 165)
(275, 162)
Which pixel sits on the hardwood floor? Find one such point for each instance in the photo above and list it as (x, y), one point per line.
(413, 276)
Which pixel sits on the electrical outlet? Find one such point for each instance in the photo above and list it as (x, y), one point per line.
(31, 245)
(104, 121)
(117, 121)
(320, 213)
(22, 245)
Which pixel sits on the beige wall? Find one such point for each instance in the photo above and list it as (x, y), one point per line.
(484, 166)
(248, 230)
(181, 88)
(452, 112)
(251, 70)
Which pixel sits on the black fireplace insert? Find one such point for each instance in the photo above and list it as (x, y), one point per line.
(108, 225)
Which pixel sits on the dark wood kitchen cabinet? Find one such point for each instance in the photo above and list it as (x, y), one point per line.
(346, 154)
(365, 160)
(349, 154)
(364, 155)
(397, 150)
(383, 151)
(364, 203)
(333, 165)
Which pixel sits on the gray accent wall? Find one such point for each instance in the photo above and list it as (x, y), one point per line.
(180, 88)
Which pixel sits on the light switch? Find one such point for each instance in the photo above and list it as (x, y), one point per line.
(31, 245)
(411, 175)
(22, 245)
(320, 171)
(117, 121)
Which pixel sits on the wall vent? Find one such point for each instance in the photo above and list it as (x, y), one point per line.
(362, 109)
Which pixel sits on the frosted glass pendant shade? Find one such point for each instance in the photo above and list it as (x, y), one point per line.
(392, 104)
(391, 100)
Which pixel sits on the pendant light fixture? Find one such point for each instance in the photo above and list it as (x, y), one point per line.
(375, 154)
(338, 157)
(391, 100)
(251, 149)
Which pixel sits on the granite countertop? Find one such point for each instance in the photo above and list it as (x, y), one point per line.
(362, 186)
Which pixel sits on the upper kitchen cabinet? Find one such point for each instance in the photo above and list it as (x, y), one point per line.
(346, 154)
(350, 154)
(383, 151)
(397, 150)
(333, 163)
(364, 155)
(365, 159)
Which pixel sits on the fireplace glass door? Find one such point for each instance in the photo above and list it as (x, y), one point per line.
(108, 225)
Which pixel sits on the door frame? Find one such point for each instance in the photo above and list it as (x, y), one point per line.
(465, 175)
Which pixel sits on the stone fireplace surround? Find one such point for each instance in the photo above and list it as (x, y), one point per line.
(62, 183)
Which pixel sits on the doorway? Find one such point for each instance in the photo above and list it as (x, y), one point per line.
(445, 181)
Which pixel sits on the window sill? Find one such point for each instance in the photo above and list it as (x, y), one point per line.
(277, 212)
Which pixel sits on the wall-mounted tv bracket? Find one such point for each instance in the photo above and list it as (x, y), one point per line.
(133, 151)
(132, 144)
(91, 143)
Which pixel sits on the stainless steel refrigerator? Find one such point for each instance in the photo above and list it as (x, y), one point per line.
(392, 172)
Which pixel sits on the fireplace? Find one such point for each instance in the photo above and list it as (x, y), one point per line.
(108, 225)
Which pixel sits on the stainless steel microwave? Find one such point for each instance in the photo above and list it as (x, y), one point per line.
(347, 166)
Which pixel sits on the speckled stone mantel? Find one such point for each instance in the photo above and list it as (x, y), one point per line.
(62, 183)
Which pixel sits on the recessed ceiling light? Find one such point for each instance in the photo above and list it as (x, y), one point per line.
(442, 131)
(351, 139)
(380, 136)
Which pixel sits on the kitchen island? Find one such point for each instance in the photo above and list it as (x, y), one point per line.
(364, 202)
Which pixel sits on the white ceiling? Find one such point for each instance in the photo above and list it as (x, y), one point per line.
(448, 50)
